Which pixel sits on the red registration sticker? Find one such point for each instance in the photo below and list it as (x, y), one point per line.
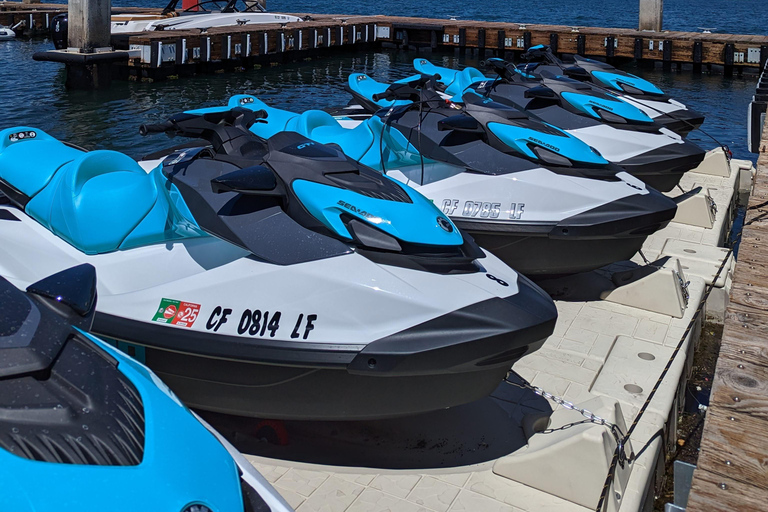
(176, 312)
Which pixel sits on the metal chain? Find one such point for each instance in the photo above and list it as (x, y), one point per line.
(591, 417)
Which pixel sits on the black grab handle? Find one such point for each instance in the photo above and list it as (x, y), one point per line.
(146, 129)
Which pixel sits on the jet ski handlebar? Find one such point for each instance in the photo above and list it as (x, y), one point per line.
(501, 67)
(192, 124)
(409, 90)
(146, 129)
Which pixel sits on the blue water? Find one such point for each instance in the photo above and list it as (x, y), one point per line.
(34, 93)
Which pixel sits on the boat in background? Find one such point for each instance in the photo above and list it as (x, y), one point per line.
(8, 33)
(196, 16)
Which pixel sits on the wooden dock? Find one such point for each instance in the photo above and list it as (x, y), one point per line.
(732, 474)
(157, 55)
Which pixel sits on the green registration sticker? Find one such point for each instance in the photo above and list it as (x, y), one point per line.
(167, 310)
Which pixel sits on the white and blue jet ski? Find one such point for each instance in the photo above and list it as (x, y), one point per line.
(539, 199)
(85, 428)
(672, 114)
(620, 133)
(277, 279)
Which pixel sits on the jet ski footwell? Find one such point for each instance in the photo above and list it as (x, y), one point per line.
(402, 374)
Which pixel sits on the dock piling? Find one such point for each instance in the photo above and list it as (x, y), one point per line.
(651, 14)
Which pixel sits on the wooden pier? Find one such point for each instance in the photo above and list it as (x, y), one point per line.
(160, 54)
(732, 473)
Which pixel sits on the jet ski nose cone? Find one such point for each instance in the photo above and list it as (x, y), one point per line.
(681, 121)
(663, 167)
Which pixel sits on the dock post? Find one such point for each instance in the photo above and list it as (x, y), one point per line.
(89, 32)
(651, 14)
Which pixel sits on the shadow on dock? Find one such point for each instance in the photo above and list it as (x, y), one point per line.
(473, 433)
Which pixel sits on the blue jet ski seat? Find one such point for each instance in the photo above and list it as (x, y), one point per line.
(456, 82)
(322, 127)
(98, 201)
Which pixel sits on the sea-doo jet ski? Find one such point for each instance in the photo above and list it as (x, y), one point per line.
(633, 89)
(577, 214)
(653, 153)
(277, 278)
(85, 428)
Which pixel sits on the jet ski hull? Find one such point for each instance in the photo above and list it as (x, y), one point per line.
(595, 238)
(401, 374)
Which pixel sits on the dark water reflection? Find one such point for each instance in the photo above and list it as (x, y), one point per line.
(34, 95)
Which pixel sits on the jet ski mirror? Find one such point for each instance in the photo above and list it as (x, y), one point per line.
(540, 91)
(459, 123)
(71, 290)
(576, 72)
(256, 180)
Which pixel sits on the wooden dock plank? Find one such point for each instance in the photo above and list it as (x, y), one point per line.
(737, 419)
(739, 385)
(739, 339)
(732, 446)
(714, 493)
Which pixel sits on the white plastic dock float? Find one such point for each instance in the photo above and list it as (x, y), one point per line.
(605, 356)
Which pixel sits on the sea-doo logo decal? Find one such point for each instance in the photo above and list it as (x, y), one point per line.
(356, 210)
(600, 105)
(635, 186)
(443, 223)
(176, 312)
(305, 145)
(260, 323)
(542, 143)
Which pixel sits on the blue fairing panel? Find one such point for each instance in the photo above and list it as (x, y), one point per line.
(588, 104)
(415, 222)
(521, 139)
(366, 87)
(615, 81)
(15, 159)
(164, 480)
